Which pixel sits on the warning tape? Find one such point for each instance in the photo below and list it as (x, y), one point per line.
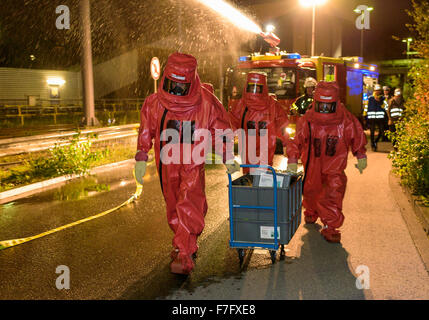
(14, 242)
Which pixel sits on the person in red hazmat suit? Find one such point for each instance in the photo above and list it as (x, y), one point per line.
(323, 138)
(208, 86)
(183, 106)
(258, 110)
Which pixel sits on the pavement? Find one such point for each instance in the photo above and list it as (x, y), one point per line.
(125, 255)
(376, 242)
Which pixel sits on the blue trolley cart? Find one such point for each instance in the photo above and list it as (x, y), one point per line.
(264, 216)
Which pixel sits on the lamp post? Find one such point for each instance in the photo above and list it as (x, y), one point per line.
(313, 3)
(408, 41)
(361, 10)
(86, 60)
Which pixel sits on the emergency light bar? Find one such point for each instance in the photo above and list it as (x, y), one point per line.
(266, 57)
(292, 56)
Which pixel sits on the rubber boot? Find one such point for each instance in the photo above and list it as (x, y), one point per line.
(182, 264)
(331, 235)
(310, 219)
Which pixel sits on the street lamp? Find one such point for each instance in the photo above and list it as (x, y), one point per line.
(408, 41)
(360, 11)
(313, 3)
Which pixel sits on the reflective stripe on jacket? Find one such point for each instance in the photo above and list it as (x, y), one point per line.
(396, 109)
(375, 108)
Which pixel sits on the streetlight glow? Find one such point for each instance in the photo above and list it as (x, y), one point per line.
(408, 41)
(55, 81)
(270, 28)
(359, 11)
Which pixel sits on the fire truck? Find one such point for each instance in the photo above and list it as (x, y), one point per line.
(286, 73)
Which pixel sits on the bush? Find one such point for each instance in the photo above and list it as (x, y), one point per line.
(411, 157)
(411, 160)
(73, 158)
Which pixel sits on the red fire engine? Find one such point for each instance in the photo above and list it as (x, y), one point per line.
(286, 73)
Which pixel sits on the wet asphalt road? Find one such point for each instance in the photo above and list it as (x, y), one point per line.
(376, 247)
(124, 255)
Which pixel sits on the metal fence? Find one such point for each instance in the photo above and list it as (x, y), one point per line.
(18, 112)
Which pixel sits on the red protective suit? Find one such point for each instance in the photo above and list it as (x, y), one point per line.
(208, 86)
(182, 184)
(259, 111)
(324, 156)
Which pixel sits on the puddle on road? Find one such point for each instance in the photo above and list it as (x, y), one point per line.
(80, 189)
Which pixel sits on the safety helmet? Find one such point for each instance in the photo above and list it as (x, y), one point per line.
(377, 87)
(386, 88)
(398, 92)
(326, 97)
(310, 82)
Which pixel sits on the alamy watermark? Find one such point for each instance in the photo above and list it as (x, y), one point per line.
(362, 281)
(63, 20)
(63, 281)
(183, 144)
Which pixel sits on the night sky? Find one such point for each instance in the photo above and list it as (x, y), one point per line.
(386, 20)
(27, 27)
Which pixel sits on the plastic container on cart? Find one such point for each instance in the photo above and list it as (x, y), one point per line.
(257, 206)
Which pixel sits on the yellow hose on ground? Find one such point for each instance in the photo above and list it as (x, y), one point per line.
(14, 242)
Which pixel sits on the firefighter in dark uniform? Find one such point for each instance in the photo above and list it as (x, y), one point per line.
(376, 114)
(395, 111)
(303, 103)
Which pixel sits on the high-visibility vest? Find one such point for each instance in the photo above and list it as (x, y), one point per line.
(396, 110)
(375, 114)
(375, 111)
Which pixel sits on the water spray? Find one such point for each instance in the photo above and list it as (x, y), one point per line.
(240, 20)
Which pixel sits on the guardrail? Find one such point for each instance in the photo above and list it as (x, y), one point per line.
(23, 111)
(28, 144)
